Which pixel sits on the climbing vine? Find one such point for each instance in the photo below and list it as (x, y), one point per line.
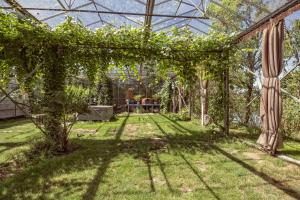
(35, 51)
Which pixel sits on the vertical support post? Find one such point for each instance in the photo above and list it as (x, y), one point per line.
(15, 110)
(118, 95)
(54, 85)
(190, 103)
(226, 98)
(128, 107)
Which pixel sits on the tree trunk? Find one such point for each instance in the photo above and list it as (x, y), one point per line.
(249, 94)
(179, 99)
(174, 104)
(226, 100)
(190, 103)
(54, 85)
(204, 102)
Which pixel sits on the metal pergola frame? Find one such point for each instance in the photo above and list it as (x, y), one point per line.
(280, 13)
(197, 12)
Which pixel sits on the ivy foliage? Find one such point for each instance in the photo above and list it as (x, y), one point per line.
(165, 95)
(36, 52)
(86, 50)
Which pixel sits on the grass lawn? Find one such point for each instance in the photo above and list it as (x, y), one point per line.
(144, 157)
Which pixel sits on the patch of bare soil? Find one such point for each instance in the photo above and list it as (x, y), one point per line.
(186, 189)
(290, 167)
(131, 129)
(81, 132)
(148, 129)
(159, 181)
(258, 156)
(201, 166)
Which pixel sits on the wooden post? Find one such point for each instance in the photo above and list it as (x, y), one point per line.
(128, 107)
(226, 99)
(190, 103)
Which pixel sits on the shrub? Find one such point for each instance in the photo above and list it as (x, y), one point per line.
(183, 115)
(76, 99)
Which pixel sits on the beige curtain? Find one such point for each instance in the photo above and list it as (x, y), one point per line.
(271, 105)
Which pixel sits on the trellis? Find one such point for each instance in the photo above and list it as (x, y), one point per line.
(274, 16)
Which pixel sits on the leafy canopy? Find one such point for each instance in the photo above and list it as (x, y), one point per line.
(83, 49)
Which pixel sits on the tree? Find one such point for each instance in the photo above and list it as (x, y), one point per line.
(238, 16)
(291, 114)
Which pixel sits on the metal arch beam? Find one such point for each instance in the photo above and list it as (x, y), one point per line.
(195, 9)
(94, 3)
(192, 4)
(149, 13)
(15, 5)
(179, 4)
(197, 29)
(137, 22)
(95, 22)
(256, 6)
(231, 11)
(186, 3)
(61, 4)
(210, 14)
(287, 73)
(189, 21)
(171, 25)
(162, 2)
(289, 7)
(64, 11)
(102, 21)
(210, 26)
(157, 23)
(193, 27)
(141, 2)
(188, 24)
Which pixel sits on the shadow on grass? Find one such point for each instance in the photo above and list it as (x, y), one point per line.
(295, 153)
(94, 184)
(162, 169)
(193, 169)
(290, 192)
(292, 139)
(7, 123)
(93, 154)
(100, 153)
(10, 145)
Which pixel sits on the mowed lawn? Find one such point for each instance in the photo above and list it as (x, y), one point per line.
(142, 157)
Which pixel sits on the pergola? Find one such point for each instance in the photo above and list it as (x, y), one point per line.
(155, 15)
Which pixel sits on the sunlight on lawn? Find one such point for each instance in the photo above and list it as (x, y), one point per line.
(145, 157)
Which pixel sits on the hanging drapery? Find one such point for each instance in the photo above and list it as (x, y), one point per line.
(271, 105)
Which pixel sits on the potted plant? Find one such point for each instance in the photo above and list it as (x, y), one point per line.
(138, 100)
